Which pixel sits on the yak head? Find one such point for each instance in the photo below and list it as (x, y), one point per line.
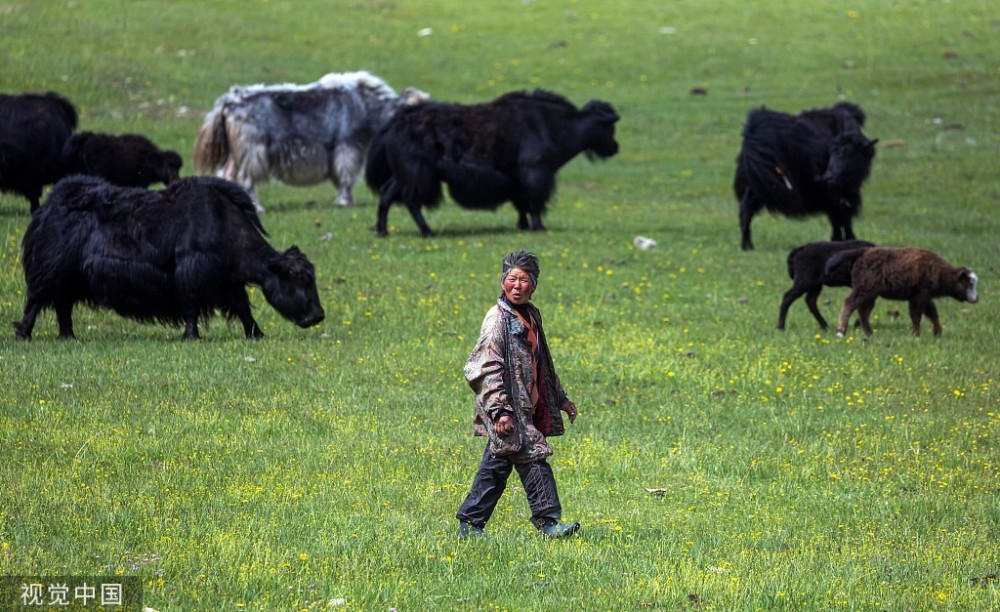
(599, 120)
(170, 167)
(850, 161)
(965, 286)
(290, 287)
(411, 96)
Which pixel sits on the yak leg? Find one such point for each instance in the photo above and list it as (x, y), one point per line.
(24, 327)
(851, 203)
(347, 163)
(840, 221)
(748, 208)
(786, 301)
(242, 178)
(418, 218)
(189, 313)
(190, 328)
(536, 221)
(931, 311)
(811, 298)
(864, 314)
(848, 230)
(64, 315)
(853, 302)
(836, 234)
(253, 198)
(387, 195)
(918, 308)
(522, 220)
(239, 303)
(536, 187)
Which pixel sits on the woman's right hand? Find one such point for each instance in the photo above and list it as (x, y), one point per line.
(504, 425)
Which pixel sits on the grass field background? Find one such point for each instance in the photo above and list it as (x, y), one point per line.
(321, 468)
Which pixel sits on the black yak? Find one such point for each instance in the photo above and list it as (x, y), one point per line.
(908, 273)
(508, 149)
(33, 130)
(806, 268)
(801, 165)
(299, 134)
(172, 256)
(126, 160)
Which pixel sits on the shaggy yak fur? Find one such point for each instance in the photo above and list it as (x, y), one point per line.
(173, 256)
(126, 160)
(298, 134)
(508, 149)
(806, 266)
(802, 165)
(909, 273)
(33, 130)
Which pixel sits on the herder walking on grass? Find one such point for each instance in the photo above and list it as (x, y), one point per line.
(519, 401)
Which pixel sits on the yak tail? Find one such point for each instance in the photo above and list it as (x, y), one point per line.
(211, 149)
(377, 170)
(791, 259)
(837, 271)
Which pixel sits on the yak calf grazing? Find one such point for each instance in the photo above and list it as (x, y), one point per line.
(813, 163)
(505, 150)
(126, 160)
(33, 130)
(173, 256)
(911, 274)
(806, 266)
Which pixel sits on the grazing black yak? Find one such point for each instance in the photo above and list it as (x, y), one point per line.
(126, 160)
(909, 273)
(172, 256)
(298, 134)
(33, 130)
(802, 165)
(806, 268)
(506, 149)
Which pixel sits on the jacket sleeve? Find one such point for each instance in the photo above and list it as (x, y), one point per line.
(486, 368)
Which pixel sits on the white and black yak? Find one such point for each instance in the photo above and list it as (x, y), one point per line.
(911, 274)
(813, 163)
(508, 149)
(33, 130)
(172, 256)
(298, 134)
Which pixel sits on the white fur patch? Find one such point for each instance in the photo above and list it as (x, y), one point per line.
(972, 296)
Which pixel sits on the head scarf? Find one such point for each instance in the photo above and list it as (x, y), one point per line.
(522, 260)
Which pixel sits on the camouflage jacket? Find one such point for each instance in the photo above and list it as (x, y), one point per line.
(501, 371)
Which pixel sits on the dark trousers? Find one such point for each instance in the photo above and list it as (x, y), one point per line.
(491, 481)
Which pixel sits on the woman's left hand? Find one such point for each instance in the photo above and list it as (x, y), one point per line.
(570, 409)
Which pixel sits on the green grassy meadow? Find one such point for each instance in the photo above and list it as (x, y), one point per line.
(321, 469)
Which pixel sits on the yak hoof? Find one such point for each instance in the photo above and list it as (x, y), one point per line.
(840, 334)
(343, 202)
(19, 332)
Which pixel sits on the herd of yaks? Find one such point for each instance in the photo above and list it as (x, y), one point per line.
(505, 150)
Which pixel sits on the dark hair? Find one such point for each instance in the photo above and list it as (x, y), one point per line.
(522, 260)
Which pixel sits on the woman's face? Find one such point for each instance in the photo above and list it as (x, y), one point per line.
(517, 286)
